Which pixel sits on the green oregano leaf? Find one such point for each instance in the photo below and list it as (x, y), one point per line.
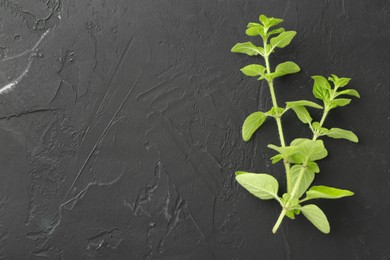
(307, 179)
(301, 150)
(333, 78)
(275, 112)
(275, 31)
(269, 22)
(261, 185)
(312, 149)
(290, 214)
(255, 29)
(341, 82)
(350, 92)
(321, 88)
(339, 133)
(338, 102)
(325, 192)
(302, 114)
(247, 48)
(285, 68)
(276, 158)
(252, 123)
(305, 103)
(317, 217)
(283, 39)
(254, 70)
(313, 167)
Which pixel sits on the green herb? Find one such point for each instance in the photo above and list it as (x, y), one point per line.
(300, 156)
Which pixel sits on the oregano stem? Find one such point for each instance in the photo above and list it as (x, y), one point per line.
(279, 221)
(324, 115)
(300, 176)
(278, 119)
(299, 180)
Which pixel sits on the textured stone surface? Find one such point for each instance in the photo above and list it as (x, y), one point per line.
(120, 130)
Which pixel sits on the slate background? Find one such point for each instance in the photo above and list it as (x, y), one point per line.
(121, 140)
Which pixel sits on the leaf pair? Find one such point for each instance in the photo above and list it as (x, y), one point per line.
(313, 213)
(299, 107)
(257, 70)
(300, 151)
(281, 40)
(323, 90)
(265, 187)
(336, 133)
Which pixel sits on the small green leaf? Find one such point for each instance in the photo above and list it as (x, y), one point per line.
(313, 167)
(318, 130)
(321, 88)
(333, 78)
(275, 31)
(263, 19)
(261, 185)
(325, 192)
(305, 103)
(339, 133)
(301, 150)
(247, 48)
(275, 111)
(290, 214)
(317, 217)
(276, 158)
(342, 82)
(293, 202)
(283, 39)
(339, 82)
(251, 24)
(306, 181)
(285, 68)
(302, 114)
(316, 125)
(251, 124)
(269, 21)
(351, 92)
(255, 29)
(338, 102)
(289, 153)
(253, 70)
(312, 149)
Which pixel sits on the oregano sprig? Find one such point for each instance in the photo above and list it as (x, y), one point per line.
(301, 155)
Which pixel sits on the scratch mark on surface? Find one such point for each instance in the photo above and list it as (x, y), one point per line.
(13, 83)
(103, 135)
(75, 199)
(116, 69)
(29, 50)
(197, 227)
(28, 112)
(203, 237)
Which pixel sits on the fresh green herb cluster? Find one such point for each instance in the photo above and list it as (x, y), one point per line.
(300, 156)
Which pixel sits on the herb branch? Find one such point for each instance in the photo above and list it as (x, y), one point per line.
(300, 156)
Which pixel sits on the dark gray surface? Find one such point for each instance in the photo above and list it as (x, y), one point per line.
(121, 140)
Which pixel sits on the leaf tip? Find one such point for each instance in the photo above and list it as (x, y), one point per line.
(239, 173)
